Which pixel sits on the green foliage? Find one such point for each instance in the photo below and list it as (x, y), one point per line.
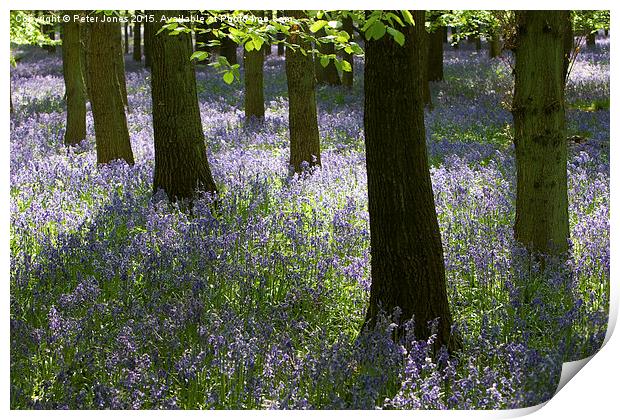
(25, 29)
(589, 21)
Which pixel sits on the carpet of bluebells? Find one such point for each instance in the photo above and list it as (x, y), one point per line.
(121, 300)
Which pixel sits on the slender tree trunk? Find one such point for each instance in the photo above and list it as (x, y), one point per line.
(326, 75)
(591, 39)
(75, 91)
(104, 89)
(302, 115)
(494, 46)
(435, 55)
(228, 49)
(254, 102)
(540, 132)
(569, 42)
(137, 41)
(347, 76)
(120, 62)
(126, 33)
(181, 166)
(50, 31)
(445, 34)
(455, 42)
(407, 265)
(478, 43)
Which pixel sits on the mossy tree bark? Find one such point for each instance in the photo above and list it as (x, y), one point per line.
(540, 132)
(407, 266)
(181, 166)
(104, 89)
(302, 115)
(137, 40)
(347, 76)
(75, 90)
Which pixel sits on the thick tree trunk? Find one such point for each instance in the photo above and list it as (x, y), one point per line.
(540, 132)
(104, 89)
(254, 101)
(347, 76)
(302, 115)
(120, 64)
(181, 166)
(228, 49)
(435, 55)
(407, 265)
(75, 91)
(137, 41)
(445, 34)
(326, 75)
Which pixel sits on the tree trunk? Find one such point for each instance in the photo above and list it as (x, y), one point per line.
(407, 267)
(181, 166)
(435, 55)
(228, 49)
(254, 101)
(75, 91)
(137, 41)
(347, 76)
(50, 31)
(540, 132)
(569, 42)
(445, 34)
(422, 36)
(148, 43)
(478, 43)
(302, 115)
(455, 42)
(326, 75)
(591, 39)
(494, 46)
(104, 89)
(120, 64)
(126, 33)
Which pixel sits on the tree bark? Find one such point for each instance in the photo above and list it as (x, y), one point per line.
(421, 35)
(407, 265)
(137, 41)
(120, 64)
(455, 42)
(181, 166)
(50, 31)
(569, 42)
(254, 100)
(347, 76)
(302, 115)
(104, 89)
(494, 46)
(75, 91)
(228, 49)
(148, 42)
(540, 133)
(326, 75)
(126, 33)
(435, 55)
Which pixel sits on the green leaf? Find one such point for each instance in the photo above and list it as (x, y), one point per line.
(317, 26)
(346, 66)
(408, 17)
(397, 35)
(324, 61)
(258, 41)
(334, 24)
(378, 30)
(199, 55)
(229, 77)
(249, 46)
